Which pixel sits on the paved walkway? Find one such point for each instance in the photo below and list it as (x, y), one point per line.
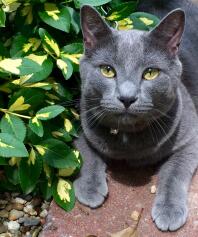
(129, 190)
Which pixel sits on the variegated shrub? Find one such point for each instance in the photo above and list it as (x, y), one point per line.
(40, 48)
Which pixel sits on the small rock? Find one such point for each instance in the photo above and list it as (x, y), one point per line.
(6, 235)
(3, 228)
(25, 229)
(15, 214)
(2, 206)
(31, 221)
(21, 220)
(135, 215)
(36, 232)
(44, 213)
(30, 210)
(45, 205)
(9, 207)
(42, 221)
(17, 206)
(13, 226)
(153, 189)
(19, 200)
(3, 201)
(4, 213)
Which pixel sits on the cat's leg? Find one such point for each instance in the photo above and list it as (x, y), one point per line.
(91, 185)
(170, 207)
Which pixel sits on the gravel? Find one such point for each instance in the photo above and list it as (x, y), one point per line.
(22, 215)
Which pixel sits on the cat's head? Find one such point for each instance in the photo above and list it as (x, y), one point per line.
(130, 75)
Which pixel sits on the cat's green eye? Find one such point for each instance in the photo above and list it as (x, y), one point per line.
(107, 71)
(151, 74)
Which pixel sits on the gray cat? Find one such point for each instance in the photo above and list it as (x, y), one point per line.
(138, 104)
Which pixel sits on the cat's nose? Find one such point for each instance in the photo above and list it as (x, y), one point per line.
(127, 101)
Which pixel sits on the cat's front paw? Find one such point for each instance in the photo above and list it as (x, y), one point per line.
(169, 217)
(90, 193)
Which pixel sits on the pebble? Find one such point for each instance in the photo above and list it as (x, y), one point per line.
(17, 206)
(22, 215)
(6, 235)
(2, 206)
(44, 213)
(3, 228)
(31, 221)
(36, 232)
(4, 213)
(9, 207)
(13, 226)
(15, 214)
(30, 210)
(153, 189)
(19, 200)
(3, 202)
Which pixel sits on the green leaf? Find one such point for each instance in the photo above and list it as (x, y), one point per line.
(2, 18)
(46, 190)
(46, 69)
(10, 146)
(74, 48)
(36, 126)
(65, 66)
(79, 3)
(13, 125)
(63, 194)
(49, 44)
(3, 161)
(75, 20)
(29, 174)
(22, 45)
(32, 96)
(57, 154)
(121, 11)
(49, 112)
(56, 17)
(144, 21)
(12, 174)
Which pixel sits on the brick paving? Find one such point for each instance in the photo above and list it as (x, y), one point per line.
(129, 190)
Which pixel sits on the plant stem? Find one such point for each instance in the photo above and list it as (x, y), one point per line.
(19, 115)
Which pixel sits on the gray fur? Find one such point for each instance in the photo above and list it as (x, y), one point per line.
(162, 124)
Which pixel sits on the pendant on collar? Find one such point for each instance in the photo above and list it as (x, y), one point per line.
(114, 131)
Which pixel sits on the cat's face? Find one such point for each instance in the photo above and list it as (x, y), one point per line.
(130, 75)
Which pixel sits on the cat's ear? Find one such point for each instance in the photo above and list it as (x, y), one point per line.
(93, 26)
(170, 29)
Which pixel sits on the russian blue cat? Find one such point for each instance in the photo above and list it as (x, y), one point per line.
(138, 103)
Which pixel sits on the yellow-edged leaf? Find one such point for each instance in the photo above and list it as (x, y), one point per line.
(53, 45)
(146, 21)
(32, 157)
(62, 65)
(40, 149)
(27, 11)
(66, 172)
(68, 125)
(73, 57)
(19, 105)
(37, 58)
(125, 24)
(11, 65)
(52, 10)
(63, 188)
